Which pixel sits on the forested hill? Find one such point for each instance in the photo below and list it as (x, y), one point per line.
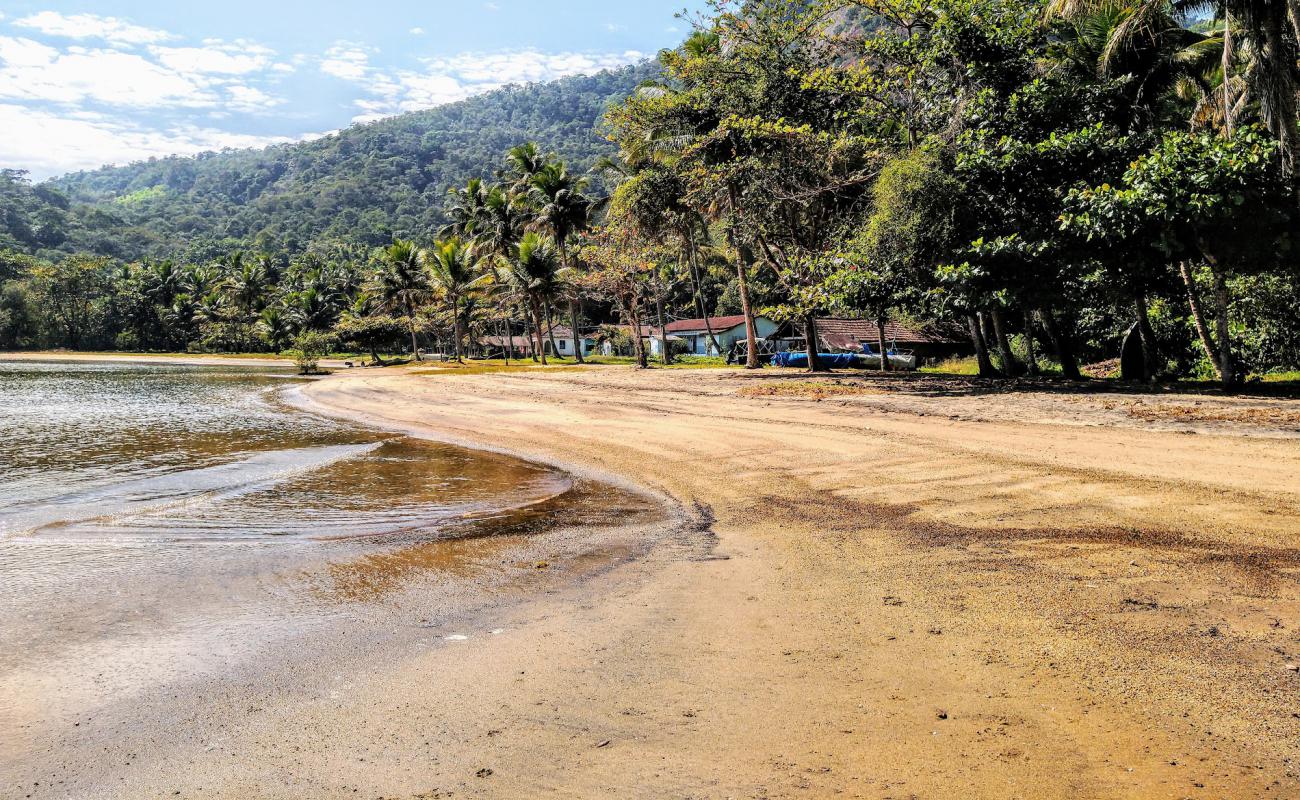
(365, 184)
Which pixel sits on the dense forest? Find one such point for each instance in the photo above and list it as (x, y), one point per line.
(365, 185)
(1057, 178)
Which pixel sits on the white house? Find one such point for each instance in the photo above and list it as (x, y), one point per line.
(726, 330)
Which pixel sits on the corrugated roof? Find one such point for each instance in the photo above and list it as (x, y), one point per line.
(846, 333)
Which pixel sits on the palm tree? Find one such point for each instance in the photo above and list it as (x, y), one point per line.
(524, 161)
(504, 216)
(652, 194)
(454, 270)
(403, 284)
(532, 272)
(467, 210)
(276, 324)
(246, 286)
(1268, 49)
(562, 210)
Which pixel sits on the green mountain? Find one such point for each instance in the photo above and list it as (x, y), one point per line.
(365, 184)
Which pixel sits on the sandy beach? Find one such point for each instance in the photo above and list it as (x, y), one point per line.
(863, 587)
(919, 588)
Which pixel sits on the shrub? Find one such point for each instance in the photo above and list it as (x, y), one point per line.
(309, 347)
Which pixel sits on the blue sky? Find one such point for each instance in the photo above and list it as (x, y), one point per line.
(84, 84)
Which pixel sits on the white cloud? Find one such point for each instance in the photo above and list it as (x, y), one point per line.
(348, 61)
(249, 99)
(446, 80)
(417, 31)
(49, 144)
(216, 58)
(31, 71)
(91, 26)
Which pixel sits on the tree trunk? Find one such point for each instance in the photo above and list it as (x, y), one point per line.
(664, 354)
(530, 329)
(883, 343)
(509, 338)
(638, 345)
(1009, 363)
(698, 279)
(573, 307)
(1030, 351)
(981, 348)
(1198, 317)
(1150, 355)
(537, 326)
(810, 339)
(1229, 115)
(550, 327)
(742, 279)
(577, 337)
(455, 328)
(1062, 343)
(1227, 364)
(415, 344)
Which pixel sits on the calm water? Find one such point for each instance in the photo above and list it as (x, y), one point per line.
(211, 454)
(162, 524)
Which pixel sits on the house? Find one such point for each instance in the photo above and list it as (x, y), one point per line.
(564, 342)
(727, 330)
(520, 345)
(929, 343)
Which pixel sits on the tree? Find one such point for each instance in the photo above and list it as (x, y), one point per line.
(532, 272)
(71, 294)
(1224, 201)
(403, 284)
(562, 210)
(370, 332)
(454, 270)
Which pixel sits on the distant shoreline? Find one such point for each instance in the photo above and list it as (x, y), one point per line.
(179, 359)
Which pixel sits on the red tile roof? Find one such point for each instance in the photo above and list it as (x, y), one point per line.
(718, 324)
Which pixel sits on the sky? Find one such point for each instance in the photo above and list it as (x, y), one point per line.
(109, 82)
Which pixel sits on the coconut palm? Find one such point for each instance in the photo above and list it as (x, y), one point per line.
(503, 218)
(467, 210)
(532, 273)
(454, 270)
(246, 286)
(562, 210)
(524, 161)
(1253, 32)
(276, 325)
(402, 285)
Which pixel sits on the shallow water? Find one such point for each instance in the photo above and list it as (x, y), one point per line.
(210, 453)
(159, 524)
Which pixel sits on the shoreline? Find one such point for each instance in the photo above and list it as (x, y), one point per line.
(194, 360)
(884, 592)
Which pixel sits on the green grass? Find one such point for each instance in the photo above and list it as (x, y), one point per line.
(679, 362)
(970, 366)
(953, 366)
(486, 366)
(1282, 377)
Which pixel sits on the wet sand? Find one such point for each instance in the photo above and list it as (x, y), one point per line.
(906, 589)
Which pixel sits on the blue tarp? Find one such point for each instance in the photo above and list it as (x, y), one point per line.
(829, 360)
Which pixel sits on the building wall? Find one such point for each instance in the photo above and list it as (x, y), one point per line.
(699, 340)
